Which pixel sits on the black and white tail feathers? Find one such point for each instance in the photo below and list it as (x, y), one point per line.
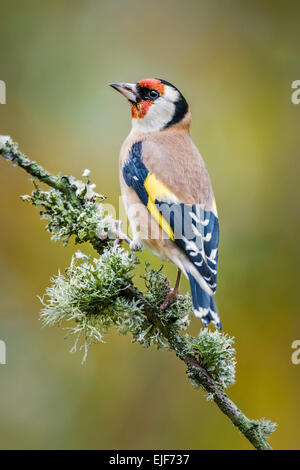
(204, 304)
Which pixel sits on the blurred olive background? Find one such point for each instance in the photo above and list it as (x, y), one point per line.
(235, 62)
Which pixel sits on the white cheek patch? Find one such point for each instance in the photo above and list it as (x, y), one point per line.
(171, 94)
(158, 115)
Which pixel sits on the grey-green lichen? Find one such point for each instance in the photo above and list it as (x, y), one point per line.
(264, 426)
(91, 295)
(86, 219)
(88, 294)
(157, 286)
(216, 354)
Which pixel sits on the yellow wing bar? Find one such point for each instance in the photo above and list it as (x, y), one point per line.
(156, 189)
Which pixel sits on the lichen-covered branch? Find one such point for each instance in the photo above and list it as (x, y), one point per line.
(95, 294)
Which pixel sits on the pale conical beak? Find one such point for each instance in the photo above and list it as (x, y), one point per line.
(129, 90)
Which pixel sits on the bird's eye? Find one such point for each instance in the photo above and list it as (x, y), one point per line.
(153, 94)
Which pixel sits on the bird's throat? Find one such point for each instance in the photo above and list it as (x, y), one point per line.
(139, 110)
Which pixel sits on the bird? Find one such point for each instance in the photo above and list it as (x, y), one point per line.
(167, 191)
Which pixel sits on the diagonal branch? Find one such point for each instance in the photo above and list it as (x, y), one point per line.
(255, 431)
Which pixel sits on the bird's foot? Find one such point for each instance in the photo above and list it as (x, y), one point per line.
(172, 294)
(120, 236)
(136, 245)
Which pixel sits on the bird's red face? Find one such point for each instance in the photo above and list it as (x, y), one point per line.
(154, 103)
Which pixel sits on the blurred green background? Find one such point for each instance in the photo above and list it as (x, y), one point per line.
(235, 62)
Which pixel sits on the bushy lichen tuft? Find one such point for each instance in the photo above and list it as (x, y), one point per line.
(88, 294)
(92, 294)
(157, 286)
(264, 426)
(216, 354)
(80, 215)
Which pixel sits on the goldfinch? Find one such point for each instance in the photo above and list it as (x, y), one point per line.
(167, 191)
